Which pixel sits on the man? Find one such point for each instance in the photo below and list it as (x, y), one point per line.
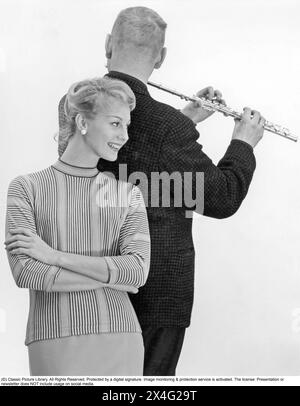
(162, 139)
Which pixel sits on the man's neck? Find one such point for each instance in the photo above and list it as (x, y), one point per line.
(136, 72)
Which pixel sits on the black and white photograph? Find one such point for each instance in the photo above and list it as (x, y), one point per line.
(150, 199)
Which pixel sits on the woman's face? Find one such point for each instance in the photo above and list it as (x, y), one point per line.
(107, 131)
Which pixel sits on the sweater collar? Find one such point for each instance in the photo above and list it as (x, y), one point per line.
(73, 170)
(135, 84)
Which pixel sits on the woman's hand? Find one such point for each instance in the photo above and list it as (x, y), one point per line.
(195, 111)
(24, 241)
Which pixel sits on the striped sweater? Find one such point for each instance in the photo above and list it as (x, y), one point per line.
(85, 212)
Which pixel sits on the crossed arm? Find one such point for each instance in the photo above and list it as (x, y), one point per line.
(35, 265)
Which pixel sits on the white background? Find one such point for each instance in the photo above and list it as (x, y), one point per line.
(246, 317)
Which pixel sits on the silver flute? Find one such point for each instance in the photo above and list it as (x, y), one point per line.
(213, 105)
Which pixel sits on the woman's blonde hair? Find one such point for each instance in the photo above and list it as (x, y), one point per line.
(83, 98)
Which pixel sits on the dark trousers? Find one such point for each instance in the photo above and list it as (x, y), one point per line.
(162, 350)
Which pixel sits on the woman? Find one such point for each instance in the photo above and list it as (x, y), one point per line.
(79, 241)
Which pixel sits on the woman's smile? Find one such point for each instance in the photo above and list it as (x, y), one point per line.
(114, 147)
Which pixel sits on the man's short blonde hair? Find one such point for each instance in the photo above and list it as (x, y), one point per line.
(141, 28)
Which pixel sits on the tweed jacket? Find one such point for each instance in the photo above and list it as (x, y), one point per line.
(162, 139)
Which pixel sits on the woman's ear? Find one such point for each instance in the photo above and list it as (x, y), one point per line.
(81, 124)
(163, 54)
(108, 46)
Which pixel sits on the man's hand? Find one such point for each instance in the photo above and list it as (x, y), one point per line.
(24, 241)
(250, 128)
(195, 112)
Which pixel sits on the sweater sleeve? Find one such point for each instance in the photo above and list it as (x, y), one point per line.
(224, 185)
(28, 272)
(131, 268)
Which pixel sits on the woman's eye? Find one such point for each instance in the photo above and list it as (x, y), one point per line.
(116, 123)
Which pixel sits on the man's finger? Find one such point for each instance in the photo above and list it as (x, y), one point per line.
(255, 116)
(218, 94)
(210, 93)
(207, 92)
(247, 113)
(262, 121)
(197, 104)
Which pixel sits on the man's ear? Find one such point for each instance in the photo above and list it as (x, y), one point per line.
(108, 46)
(163, 54)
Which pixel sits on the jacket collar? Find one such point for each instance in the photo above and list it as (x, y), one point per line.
(135, 84)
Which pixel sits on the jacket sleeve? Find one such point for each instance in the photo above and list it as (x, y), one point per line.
(131, 267)
(223, 186)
